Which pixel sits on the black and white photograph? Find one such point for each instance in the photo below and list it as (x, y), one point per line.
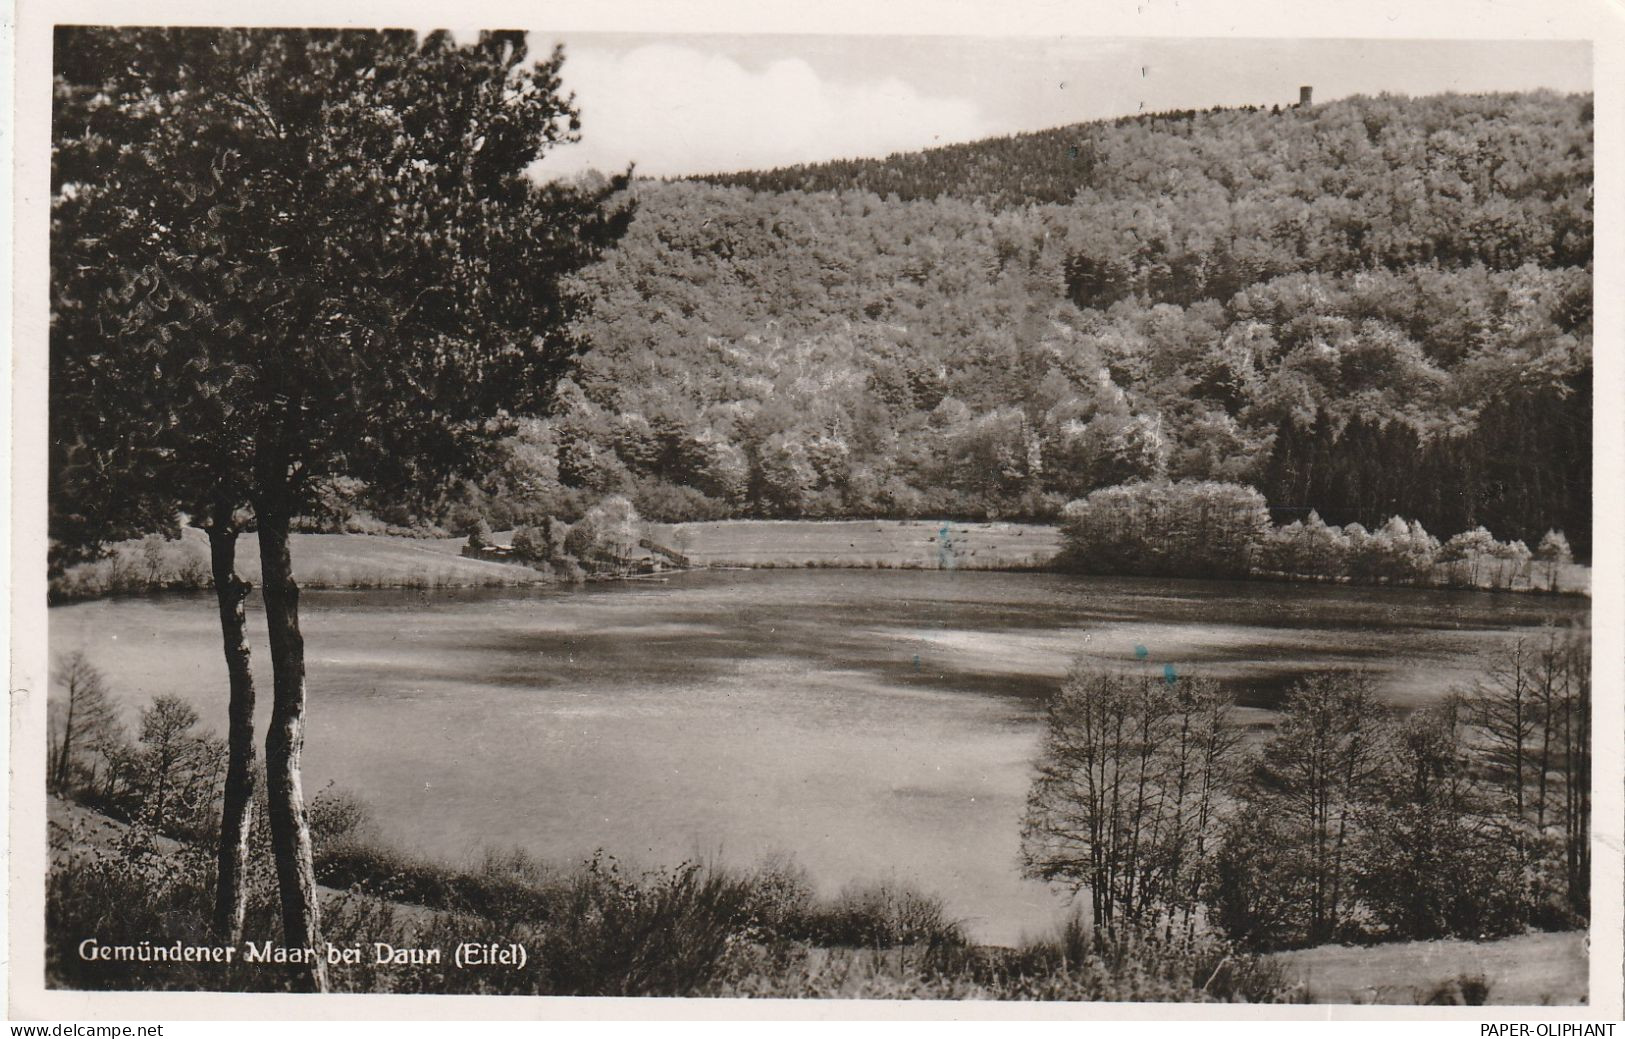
(1093, 519)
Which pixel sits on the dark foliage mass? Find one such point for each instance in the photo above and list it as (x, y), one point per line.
(284, 258)
(1001, 327)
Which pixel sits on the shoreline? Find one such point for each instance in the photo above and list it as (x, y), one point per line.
(392, 562)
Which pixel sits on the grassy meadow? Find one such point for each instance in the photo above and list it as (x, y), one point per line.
(1544, 969)
(883, 544)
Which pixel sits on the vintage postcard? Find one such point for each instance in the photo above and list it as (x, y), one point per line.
(882, 514)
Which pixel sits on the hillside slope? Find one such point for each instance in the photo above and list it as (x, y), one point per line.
(1402, 286)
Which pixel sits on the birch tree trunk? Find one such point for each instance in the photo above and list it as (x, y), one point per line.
(290, 834)
(237, 811)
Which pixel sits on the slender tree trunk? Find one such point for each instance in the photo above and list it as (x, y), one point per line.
(237, 812)
(113, 772)
(1579, 780)
(1519, 713)
(290, 835)
(1548, 679)
(165, 763)
(1114, 816)
(1323, 831)
(63, 753)
(51, 755)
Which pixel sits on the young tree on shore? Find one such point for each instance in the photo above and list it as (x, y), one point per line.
(166, 733)
(327, 258)
(1127, 794)
(1553, 553)
(1466, 553)
(609, 532)
(1572, 723)
(1428, 864)
(1532, 712)
(1313, 775)
(87, 718)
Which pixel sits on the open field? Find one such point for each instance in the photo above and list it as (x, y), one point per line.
(329, 561)
(1528, 970)
(901, 544)
(365, 561)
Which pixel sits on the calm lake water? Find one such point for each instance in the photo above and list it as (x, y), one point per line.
(872, 725)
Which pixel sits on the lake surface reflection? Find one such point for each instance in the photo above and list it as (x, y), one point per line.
(872, 725)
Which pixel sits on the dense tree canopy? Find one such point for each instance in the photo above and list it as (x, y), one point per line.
(310, 245)
(1235, 195)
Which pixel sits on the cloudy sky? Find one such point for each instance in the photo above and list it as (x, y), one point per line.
(681, 104)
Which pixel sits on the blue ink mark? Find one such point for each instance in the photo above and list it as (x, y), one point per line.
(1168, 674)
(1140, 652)
(945, 548)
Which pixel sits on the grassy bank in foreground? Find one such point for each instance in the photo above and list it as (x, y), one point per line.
(594, 929)
(600, 928)
(1547, 969)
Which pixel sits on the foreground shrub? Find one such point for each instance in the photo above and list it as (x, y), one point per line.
(1138, 964)
(152, 564)
(144, 889)
(1076, 965)
(883, 916)
(1466, 990)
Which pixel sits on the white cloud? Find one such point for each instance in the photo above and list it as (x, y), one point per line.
(675, 109)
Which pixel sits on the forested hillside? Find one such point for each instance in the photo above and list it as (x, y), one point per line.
(1371, 307)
